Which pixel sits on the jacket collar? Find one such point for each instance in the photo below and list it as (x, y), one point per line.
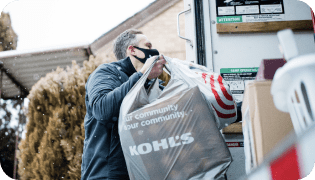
(127, 67)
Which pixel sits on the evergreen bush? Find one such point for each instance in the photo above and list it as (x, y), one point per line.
(53, 145)
(8, 38)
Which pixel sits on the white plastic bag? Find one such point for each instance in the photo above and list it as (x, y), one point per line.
(171, 135)
(215, 90)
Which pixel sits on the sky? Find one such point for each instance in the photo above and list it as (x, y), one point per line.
(53, 23)
(58, 23)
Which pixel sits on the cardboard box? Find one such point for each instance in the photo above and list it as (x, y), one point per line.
(269, 125)
(235, 128)
(248, 109)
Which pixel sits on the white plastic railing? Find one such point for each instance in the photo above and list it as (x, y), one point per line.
(293, 86)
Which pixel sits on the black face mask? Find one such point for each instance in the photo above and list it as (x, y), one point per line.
(147, 52)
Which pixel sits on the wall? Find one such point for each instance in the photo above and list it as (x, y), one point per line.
(162, 32)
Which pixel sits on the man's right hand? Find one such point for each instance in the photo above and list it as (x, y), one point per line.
(157, 68)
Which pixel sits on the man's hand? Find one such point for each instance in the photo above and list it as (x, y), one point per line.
(157, 68)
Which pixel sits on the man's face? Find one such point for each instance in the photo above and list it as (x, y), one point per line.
(143, 43)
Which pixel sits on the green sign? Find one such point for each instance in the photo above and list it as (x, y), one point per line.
(238, 70)
(229, 19)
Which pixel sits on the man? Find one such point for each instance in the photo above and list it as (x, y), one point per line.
(105, 89)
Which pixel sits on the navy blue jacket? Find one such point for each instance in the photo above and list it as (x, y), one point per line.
(105, 89)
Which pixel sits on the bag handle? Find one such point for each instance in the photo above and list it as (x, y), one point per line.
(151, 86)
(175, 70)
(147, 72)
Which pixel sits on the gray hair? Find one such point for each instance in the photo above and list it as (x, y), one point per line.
(124, 40)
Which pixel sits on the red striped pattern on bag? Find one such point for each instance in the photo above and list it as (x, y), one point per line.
(215, 90)
(204, 75)
(224, 91)
(218, 98)
(225, 116)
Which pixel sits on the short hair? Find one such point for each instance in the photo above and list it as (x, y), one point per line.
(124, 40)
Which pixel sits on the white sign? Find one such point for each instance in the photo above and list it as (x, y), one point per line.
(277, 8)
(226, 11)
(247, 9)
(263, 17)
(237, 86)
